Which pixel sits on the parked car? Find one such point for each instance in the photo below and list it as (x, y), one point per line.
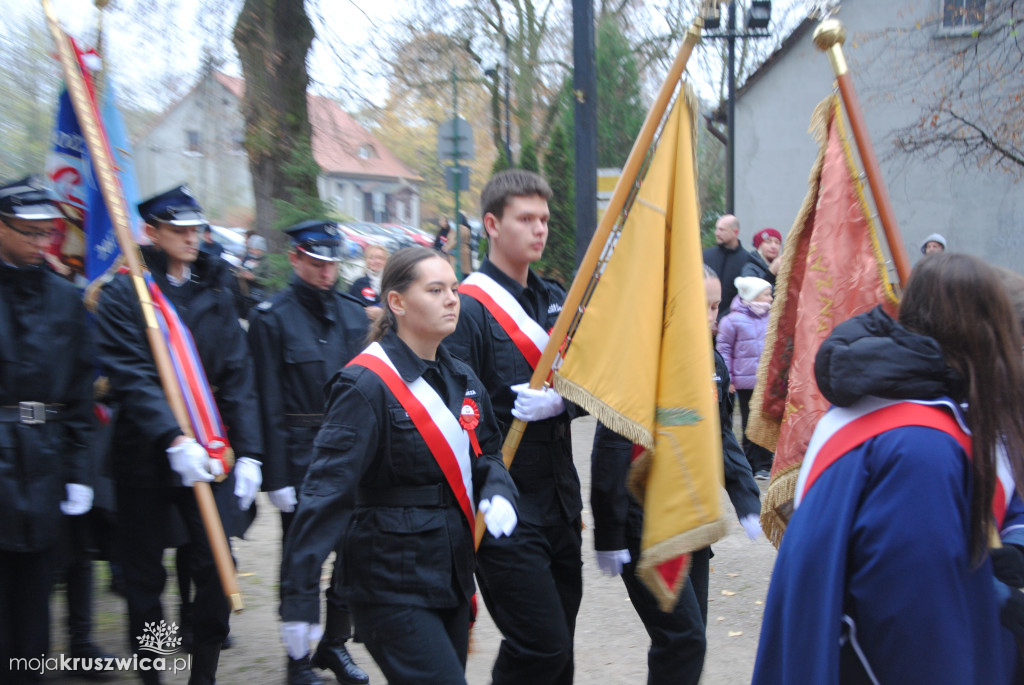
(233, 240)
(375, 233)
(418, 236)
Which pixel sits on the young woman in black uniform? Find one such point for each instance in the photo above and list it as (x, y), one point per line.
(408, 450)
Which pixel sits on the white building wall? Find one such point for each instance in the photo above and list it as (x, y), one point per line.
(219, 171)
(979, 211)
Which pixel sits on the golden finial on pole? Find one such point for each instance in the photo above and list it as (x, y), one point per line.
(829, 37)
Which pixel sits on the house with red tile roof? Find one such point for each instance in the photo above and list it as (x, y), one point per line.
(199, 141)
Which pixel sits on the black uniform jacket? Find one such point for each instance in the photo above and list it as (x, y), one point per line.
(44, 357)
(618, 518)
(414, 556)
(549, 488)
(145, 425)
(299, 339)
(362, 290)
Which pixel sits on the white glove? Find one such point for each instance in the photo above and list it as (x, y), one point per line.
(191, 462)
(284, 499)
(610, 562)
(248, 478)
(79, 499)
(535, 405)
(752, 525)
(296, 636)
(499, 515)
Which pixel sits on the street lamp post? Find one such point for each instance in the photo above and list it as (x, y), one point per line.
(757, 21)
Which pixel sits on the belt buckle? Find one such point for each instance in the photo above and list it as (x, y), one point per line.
(32, 413)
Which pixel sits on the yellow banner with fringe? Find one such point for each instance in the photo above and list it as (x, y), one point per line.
(641, 361)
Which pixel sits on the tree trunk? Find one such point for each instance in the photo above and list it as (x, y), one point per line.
(272, 38)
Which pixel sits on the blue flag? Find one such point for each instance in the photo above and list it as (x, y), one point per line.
(90, 245)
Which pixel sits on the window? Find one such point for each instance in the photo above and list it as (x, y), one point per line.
(192, 143)
(366, 151)
(962, 14)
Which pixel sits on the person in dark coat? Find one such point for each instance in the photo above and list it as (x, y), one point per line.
(766, 258)
(209, 245)
(46, 419)
(678, 642)
(532, 582)
(299, 339)
(153, 462)
(442, 237)
(367, 287)
(727, 258)
(409, 443)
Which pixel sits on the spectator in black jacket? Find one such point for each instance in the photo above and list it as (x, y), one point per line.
(727, 258)
(766, 258)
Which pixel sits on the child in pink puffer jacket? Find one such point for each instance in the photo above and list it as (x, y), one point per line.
(740, 341)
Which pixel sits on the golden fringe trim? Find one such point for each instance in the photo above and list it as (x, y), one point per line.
(684, 543)
(636, 479)
(777, 504)
(858, 187)
(625, 427)
(762, 429)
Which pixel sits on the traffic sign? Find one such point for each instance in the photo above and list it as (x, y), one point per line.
(455, 140)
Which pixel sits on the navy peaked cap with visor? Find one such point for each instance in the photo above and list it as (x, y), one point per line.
(176, 206)
(29, 199)
(319, 239)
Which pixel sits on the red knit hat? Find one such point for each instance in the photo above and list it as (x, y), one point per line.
(764, 233)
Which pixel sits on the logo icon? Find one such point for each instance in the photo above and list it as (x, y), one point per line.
(159, 638)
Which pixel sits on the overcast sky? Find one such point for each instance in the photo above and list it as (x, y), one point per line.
(144, 45)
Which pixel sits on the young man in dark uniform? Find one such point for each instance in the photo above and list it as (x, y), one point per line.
(532, 581)
(46, 420)
(678, 637)
(154, 464)
(299, 339)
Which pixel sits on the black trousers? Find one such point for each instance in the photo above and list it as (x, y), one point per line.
(143, 513)
(25, 582)
(532, 584)
(415, 645)
(759, 458)
(678, 641)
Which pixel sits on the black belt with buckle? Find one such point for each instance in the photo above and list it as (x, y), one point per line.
(439, 495)
(304, 420)
(31, 413)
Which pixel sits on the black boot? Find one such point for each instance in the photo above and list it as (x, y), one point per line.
(331, 653)
(300, 673)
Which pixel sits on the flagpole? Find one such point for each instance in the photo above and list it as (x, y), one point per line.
(103, 162)
(588, 266)
(829, 37)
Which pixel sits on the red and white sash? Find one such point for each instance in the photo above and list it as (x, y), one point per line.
(528, 335)
(842, 429)
(438, 427)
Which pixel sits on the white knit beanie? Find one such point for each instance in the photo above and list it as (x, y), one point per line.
(749, 287)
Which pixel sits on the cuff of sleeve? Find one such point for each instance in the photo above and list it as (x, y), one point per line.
(301, 609)
(608, 538)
